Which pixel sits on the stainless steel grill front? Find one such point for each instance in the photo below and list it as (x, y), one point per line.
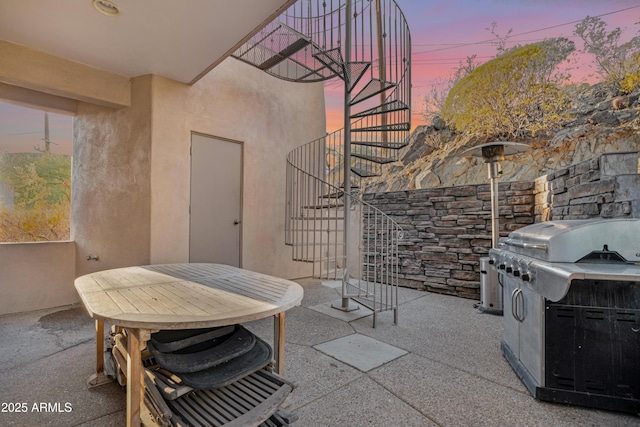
(572, 310)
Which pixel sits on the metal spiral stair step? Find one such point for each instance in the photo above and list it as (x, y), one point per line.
(381, 144)
(387, 107)
(316, 225)
(384, 128)
(311, 245)
(332, 58)
(301, 71)
(257, 42)
(285, 53)
(374, 159)
(363, 173)
(374, 87)
(316, 74)
(316, 230)
(319, 260)
(355, 72)
(335, 195)
(338, 194)
(334, 217)
(325, 205)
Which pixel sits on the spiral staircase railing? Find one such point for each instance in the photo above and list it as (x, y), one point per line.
(366, 44)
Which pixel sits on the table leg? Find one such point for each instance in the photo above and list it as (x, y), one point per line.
(278, 342)
(136, 340)
(99, 377)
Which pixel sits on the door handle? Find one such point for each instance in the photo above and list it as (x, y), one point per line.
(513, 303)
(520, 298)
(517, 296)
(236, 222)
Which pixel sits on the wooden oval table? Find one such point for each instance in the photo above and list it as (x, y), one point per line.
(149, 298)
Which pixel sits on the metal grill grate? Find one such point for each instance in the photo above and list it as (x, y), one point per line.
(251, 401)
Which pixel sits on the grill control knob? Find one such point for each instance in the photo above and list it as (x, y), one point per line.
(492, 261)
(516, 273)
(526, 277)
(501, 266)
(509, 269)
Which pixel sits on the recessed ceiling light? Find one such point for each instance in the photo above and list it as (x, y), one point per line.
(106, 7)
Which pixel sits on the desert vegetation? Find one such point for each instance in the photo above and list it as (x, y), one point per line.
(524, 91)
(41, 185)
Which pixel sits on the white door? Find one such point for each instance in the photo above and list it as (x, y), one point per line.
(216, 200)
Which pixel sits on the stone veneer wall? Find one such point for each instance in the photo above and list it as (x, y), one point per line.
(606, 186)
(447, 230)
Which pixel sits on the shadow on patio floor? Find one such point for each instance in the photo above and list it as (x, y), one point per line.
(440, 366)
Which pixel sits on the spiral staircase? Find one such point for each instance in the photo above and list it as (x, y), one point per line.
(367, 45)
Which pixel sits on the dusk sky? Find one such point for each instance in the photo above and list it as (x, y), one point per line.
(443, 34)
(22, 130)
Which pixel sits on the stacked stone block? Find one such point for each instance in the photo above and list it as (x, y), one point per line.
(607, 186)
(447, 230)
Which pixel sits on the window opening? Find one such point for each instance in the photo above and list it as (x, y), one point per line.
(35, 174)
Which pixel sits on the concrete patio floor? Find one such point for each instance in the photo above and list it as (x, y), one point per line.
(440, 366)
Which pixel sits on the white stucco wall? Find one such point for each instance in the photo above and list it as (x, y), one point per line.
(131, 172)
(39, 71)
(110, 204)
(36, 275)
(241, 103)
(132, 166)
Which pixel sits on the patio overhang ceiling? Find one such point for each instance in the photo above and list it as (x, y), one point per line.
(181, 40)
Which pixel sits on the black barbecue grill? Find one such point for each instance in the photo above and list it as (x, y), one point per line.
(572, 310)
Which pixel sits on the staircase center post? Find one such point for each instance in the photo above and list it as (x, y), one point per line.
(382, 72)
(347, 152)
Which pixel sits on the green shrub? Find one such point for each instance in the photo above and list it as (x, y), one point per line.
(517, 94)
(617, 63)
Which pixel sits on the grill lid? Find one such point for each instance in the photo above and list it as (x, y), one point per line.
(577, 240)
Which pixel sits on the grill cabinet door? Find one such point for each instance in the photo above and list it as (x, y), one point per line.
(531, 333)
(511, 335)
(523, 333)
